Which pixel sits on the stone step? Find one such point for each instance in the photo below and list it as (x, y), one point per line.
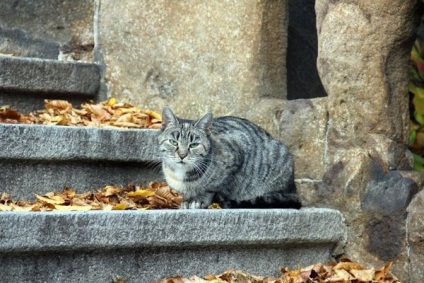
(141, 246)
(26, 82)
(39, 158)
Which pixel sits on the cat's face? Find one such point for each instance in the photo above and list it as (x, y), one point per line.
(184, 143)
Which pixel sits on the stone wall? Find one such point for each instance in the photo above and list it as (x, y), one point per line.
(350, 147)
(227, 57)
(49, 29)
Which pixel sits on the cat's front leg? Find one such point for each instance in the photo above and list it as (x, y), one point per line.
(198, 202)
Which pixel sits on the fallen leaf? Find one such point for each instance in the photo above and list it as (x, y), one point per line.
(363, 275)
(72, 207)
(4, 207)
(52, 200)
(111, 190)
(141, 192)
(119, 206)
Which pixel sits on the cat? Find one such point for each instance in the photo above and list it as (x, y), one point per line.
(227, 160)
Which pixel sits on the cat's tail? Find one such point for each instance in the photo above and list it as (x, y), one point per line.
(270, 200)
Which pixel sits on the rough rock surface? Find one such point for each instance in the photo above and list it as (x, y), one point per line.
(196, 56)
(363, 51)
(415, 226)
(303, 128)
(47, 29)
(363, 63)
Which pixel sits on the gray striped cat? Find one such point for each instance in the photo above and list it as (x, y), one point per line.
(228, 160)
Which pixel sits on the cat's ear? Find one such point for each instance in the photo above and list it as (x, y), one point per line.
(205, 123)
(168, 118)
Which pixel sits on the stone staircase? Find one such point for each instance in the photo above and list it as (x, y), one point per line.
(139, 246)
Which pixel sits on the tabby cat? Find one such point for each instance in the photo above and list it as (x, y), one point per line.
(228, 160)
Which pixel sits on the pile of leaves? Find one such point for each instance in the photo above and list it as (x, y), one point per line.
(131, 197)
(109, 114)
(342, 272)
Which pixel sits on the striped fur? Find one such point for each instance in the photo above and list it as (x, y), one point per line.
(227, 160)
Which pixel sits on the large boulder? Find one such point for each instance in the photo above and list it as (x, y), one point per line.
(416, 237)
(363, 52)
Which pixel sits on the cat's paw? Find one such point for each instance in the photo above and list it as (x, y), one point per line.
(192, 205)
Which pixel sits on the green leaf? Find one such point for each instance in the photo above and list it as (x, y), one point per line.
(412, 137)
(419, 108)
(418, 162)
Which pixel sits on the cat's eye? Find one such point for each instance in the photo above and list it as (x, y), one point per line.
(193, 145)
(173, 142)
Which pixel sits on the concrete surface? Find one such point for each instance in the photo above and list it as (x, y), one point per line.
(37, 158)
(26, 82)
(141, 246)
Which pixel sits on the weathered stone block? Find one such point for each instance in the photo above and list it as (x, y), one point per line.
(142, 246)
(363, 52)
(415, 226)
(47, 29)
(40, 159)
(196, 56)
(26, 82)
(303, 127)
(363, 63)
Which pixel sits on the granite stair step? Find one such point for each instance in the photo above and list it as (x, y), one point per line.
(40, 158)
(26, 82)
(141, 246)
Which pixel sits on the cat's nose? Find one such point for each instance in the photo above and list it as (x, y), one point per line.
(183, 154)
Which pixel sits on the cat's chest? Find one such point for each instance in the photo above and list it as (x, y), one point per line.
(175, 178)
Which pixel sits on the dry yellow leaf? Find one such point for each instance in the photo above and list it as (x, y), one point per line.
(126, 124)
(348, 266)
(52, 200)
(15, 207)
(111, 101)
(153, 114)
(363, 275)
(111, 190)
(381, 274)
(125, 118)
(129, 110)
(58, 120)
(35, 207)
(343, 274)
(73, 207)
(57, 104)
(4, 207)
(155, 126)
(214, 206)
(119, 206)
(141, 192)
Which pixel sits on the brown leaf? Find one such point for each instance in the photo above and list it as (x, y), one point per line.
(153, 114)
(382, 273)
(57, 105)
(363, 275)
(51, 200)
(111, 190)
(72, 207)
(348, 266)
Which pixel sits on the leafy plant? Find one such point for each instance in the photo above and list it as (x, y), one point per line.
(416, 92)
